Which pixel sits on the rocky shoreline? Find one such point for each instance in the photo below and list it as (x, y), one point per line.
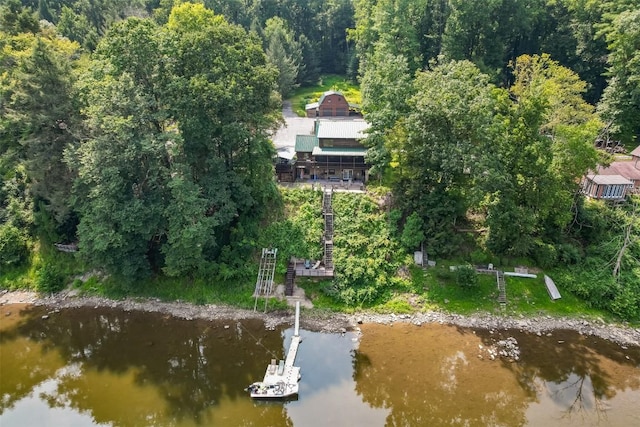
(339, 322)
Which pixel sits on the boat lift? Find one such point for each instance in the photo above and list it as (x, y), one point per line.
(264, 282)
(281, 379)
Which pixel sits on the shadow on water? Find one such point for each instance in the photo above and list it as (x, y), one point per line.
(98, 355)
(101, 366)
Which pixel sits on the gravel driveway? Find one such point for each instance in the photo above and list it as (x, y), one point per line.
(285, 137)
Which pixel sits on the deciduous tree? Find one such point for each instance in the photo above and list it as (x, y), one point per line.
(449, 121)
(179, 153)
(620, 104)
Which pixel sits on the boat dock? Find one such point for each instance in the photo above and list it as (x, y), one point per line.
(281, 379)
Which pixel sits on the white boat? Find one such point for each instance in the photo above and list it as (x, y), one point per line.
(278, 390)
(281, 379)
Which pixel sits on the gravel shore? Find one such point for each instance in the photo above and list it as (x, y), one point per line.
(337, 322)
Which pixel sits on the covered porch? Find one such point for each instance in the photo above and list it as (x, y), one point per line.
(338, 164)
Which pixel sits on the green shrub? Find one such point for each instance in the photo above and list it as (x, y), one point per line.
(366, 256)
(50, 280)
(568, 254)
(479, 257)
(413, 232)
(626, 304)
(466, 276)
(13, 246)
(545, 254)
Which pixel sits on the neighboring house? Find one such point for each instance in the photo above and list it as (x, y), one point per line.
(334, 152)
(615, 181)
(332, 104)
(607, 187)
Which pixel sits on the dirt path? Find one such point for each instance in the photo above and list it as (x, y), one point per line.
(318, 320)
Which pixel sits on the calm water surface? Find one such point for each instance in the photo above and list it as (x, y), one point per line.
(108, 367)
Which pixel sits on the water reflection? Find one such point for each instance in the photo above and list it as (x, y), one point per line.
(132, 369)
(578, 379)
(327, 391)
(435, 375)
(109, 367)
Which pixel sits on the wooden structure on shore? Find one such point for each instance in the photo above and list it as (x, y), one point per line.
(264, 282)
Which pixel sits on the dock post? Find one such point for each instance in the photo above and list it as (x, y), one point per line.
(296, 331)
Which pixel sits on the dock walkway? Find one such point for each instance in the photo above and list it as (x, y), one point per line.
(281, 379)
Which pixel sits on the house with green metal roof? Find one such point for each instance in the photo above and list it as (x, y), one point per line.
(334, 152)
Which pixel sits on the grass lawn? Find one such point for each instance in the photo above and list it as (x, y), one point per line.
(305, 95)
(438, 290)
(198, 291)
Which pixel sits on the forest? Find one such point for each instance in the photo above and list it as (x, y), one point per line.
(139, 130)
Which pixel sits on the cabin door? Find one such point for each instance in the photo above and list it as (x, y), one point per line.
(347, 174)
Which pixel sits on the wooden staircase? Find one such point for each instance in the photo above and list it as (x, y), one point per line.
(327, 211)
(502, 291)
(328, 226)
(327, 197)
(289, 279)
(328, 255)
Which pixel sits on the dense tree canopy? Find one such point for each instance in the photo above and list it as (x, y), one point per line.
(544, 145)
(155, 157)
(433, 147)
(621, 101)
(39, 120)
(140, 128)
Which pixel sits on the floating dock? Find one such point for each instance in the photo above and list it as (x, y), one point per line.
(281, 379)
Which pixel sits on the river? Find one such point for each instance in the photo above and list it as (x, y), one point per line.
(111, 367)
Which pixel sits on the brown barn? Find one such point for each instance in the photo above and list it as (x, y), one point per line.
(331, 104)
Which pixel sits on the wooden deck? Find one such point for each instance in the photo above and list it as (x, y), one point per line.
(311, 272)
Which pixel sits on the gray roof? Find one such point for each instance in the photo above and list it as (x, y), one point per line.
(312, 106)
(609, 180)
(286, 153)
(627, 169)
(342, 129)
